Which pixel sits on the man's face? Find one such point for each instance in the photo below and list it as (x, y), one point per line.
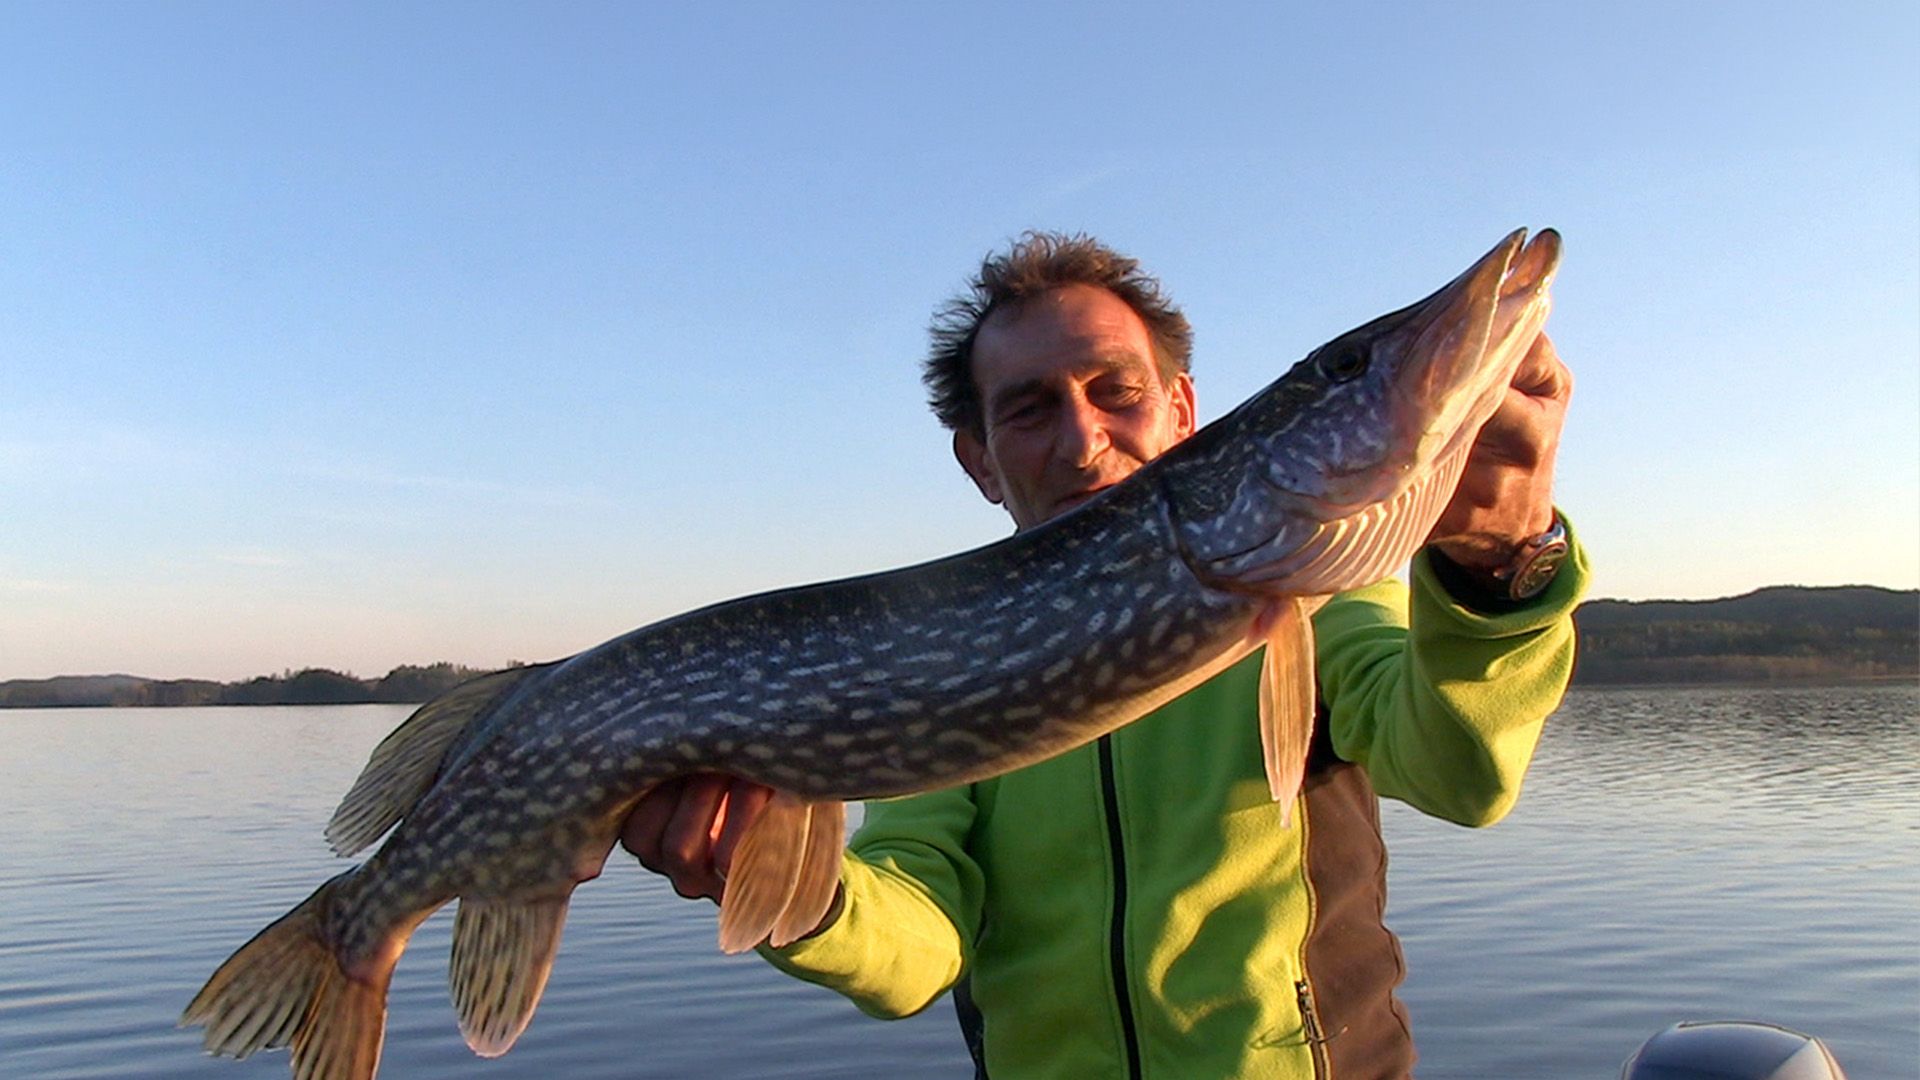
(1073, 402)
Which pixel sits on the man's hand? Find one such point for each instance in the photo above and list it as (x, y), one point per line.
(687, 828)
(1506, 492)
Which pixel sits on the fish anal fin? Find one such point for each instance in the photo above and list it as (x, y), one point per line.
(404, 765)
(503, 951)
(783, 874)
(1287, 700)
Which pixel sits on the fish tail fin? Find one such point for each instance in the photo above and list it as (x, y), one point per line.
(502, 954)
(286, 987)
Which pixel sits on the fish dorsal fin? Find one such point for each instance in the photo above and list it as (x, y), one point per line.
(784, 874)
(502, 953)
(406, 762)
(1286, 701)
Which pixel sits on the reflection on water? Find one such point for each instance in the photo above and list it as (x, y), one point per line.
(1701, 852)
(143, 846)
(1678, 853)
(1805, 752)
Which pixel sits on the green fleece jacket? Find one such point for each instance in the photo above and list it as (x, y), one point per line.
(1136, 907)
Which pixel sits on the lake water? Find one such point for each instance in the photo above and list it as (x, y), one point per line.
(1679, 853)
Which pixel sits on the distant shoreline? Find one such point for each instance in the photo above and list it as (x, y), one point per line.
(405, 685)
(1779, 636)
(1797, 683)
(1788, 683)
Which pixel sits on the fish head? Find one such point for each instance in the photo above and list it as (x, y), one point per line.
(1332, 476)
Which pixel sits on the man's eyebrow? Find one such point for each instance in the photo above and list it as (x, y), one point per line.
(1014, 391)
(1119, 362)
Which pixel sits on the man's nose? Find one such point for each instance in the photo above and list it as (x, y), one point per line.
(1082, 437)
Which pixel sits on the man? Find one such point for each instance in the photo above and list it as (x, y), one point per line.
(1137, 907)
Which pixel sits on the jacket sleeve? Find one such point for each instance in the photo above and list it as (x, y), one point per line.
(1444, 716)
(908, 888)
(1441, 704)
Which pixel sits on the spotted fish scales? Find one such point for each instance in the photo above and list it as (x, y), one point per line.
(509, 791)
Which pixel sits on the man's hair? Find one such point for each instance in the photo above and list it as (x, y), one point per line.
(1036, 263)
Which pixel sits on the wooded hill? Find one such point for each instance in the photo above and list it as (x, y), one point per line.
(312, 686)
(1782, 633)
(1778, 634)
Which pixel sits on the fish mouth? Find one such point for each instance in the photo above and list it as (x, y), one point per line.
(1463, 343)
(1450, 359)
(1456, 353)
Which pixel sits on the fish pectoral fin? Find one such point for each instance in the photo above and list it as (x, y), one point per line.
(404, 765)
(502, 953)
(1287, 701)
(784, 873)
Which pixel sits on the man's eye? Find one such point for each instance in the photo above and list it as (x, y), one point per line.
(1017, 415)
(1118, 396)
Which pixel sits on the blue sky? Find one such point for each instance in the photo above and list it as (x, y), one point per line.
(358, 336)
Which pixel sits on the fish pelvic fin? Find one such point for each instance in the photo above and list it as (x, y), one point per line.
(405, 764)
(1287, 694)
(784, 874)
(503, 951)
(286, 987)
(819, 876)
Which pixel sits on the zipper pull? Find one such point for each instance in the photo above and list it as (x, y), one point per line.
(1310, 1017)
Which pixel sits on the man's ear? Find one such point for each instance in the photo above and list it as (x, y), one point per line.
(972, 456)
(1181, 399)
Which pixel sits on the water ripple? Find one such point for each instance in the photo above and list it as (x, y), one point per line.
(1678, 854)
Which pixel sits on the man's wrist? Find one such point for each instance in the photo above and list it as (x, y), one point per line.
(1497, 575)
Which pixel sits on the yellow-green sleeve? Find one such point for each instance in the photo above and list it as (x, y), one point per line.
(1441, 704)
(908, 887)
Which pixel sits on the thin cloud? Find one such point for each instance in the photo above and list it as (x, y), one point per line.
(1069, 188)
(89, 454)
(270, 560)
(34, 586)
(457, 487)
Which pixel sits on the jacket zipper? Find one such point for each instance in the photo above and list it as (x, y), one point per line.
(1310, 1027)
(1116, 931)
(1316, 1036)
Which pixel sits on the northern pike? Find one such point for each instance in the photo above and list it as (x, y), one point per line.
(509, 791)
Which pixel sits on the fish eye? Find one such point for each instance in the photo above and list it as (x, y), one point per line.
(1343, 362)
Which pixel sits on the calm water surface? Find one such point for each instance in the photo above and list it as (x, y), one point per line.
(1693, 853)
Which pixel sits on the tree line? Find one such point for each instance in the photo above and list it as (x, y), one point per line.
(407, 684)
(1783, 633)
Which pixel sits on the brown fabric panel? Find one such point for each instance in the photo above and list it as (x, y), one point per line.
(1353, 961)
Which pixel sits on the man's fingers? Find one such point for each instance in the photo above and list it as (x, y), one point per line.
(644, 826)
(1505, 492)
(745, 800)
(689, 834)
(1525, 428)
(672, 833)
(1541, 374)
(687, 829)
